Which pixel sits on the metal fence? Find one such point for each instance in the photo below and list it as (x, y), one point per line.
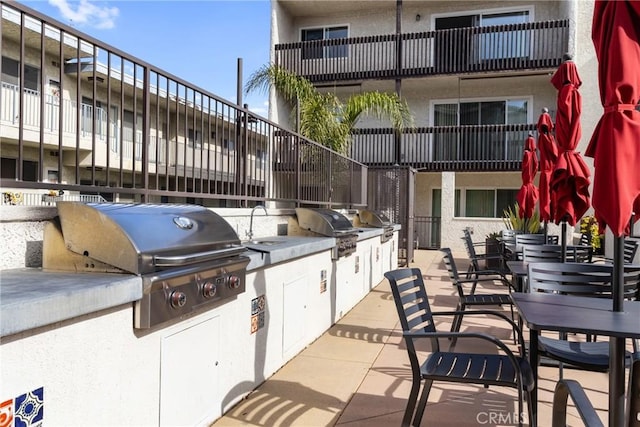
(98, 121)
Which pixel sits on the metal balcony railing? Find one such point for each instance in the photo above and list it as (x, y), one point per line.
(526, 46)
(444, 148)
(117, 126)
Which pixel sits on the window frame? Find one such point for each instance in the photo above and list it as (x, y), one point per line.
(458, 101)
(461, 192)
(324, 28)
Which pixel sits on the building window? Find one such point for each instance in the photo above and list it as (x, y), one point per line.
(194, 138)
(483, 203)
(52, 176)
(317, 50)
(501, 43)
(11, 74)
(498, 112)
(228, 144)
(53, 96)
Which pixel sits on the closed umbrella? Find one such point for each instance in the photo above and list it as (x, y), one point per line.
(548, 157)
(570, 179)
(528, 194)
(615, 148)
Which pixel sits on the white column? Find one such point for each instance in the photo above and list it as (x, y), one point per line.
(448, 185)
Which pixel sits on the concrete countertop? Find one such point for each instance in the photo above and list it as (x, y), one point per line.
(265, 251)
(31, 297)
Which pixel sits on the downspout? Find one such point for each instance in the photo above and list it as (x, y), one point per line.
(397, 135)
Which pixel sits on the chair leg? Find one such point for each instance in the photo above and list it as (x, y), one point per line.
(457, 319)
(513, 318)
(417, 419)
(532, 422)
(520, 408)
(411, 402)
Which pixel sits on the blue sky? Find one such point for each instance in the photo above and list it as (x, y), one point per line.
(198, 41)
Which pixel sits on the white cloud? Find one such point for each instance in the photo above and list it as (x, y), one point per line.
(85, 13)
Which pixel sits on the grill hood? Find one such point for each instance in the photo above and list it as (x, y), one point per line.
(142, 238)
(373, 218)
(324, 221)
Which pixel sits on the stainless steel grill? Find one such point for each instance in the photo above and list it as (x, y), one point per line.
(327, 222)
(377, 219)
(189, 257)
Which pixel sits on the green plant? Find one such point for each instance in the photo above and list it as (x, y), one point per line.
(493, 236)
(323, 117)
(589, 225)
(513, 221)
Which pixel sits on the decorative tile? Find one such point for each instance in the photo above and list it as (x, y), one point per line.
(26, 410)
(258, 306)
(323, 281)
(6, 413)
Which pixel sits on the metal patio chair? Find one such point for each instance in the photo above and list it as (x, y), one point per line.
(501, 367)
(473, 299)
(571, 388)
(581, 279)
(629, 253)
(527, 239)
(475, 270)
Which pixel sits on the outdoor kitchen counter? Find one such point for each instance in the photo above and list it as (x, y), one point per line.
(271, 250)
(31, 298)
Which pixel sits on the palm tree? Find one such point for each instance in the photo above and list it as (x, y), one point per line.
(322, 116)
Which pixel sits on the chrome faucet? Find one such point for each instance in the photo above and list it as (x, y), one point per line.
(250, 232)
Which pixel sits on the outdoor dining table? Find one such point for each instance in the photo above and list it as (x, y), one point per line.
(567, 313)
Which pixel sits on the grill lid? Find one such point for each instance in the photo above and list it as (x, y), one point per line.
(142, 238)
(324, 221)
(374, 218)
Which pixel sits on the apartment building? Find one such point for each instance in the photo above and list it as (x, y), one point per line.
(476, 76)
(83, 118)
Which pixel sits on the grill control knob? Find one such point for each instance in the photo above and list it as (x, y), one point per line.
(209, 290)
(234, 282)
(177, 299)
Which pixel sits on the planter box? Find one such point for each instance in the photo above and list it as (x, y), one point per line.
(492, 247)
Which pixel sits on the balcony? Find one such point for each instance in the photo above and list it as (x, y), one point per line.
(444, 148)
(515, 47)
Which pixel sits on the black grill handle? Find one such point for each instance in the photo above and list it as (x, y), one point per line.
(174, 261)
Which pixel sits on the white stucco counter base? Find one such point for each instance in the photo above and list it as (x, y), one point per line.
(69, 349)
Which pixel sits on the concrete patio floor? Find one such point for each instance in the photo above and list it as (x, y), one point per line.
(357, 374)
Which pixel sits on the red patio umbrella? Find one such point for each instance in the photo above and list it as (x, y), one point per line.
(615, 148)
(548, 157)
(528, 194)
(570, 178)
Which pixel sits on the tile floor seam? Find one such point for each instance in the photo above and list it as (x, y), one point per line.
(354, 362)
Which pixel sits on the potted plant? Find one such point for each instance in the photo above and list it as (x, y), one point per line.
(492, 251)
(513, 221)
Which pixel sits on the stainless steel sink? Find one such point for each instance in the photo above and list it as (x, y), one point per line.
(263, 242)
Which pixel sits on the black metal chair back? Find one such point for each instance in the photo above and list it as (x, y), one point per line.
(553, 253)
(552, 239)
(469, 299)
(582, 279)
(630, 249)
